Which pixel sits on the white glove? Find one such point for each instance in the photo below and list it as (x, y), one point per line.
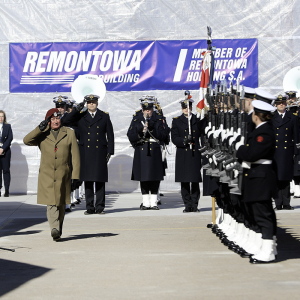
(240, 143)
(215, 160)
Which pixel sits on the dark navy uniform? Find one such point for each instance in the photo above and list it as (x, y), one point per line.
(6, 137)
(96, 141)
(287, 135)
(148, 167)
(147, 161)
(188, 159)
(259, 182)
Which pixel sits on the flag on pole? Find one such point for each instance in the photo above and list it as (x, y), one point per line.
(207, 71)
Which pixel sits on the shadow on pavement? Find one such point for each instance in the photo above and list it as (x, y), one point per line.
(14, 226)
(288, 244)
(14, 274)
(87, 236)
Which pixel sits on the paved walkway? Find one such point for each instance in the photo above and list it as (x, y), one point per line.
(132, 254)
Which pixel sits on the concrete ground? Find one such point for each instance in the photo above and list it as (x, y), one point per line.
(132, 254)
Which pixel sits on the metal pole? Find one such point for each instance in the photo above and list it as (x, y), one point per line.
(213, 210)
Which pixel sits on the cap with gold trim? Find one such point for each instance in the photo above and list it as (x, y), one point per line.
(60, 100)
(281, 98)
(91, 97)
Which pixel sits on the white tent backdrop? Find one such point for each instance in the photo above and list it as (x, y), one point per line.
(274, 23)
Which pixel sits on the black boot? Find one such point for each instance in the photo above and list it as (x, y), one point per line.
(6, 194)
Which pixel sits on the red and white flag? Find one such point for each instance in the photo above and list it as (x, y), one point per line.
(205, 72)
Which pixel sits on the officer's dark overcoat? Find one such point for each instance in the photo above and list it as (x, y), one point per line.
(96, 139)
(259, 182)
(188, 161)
(287, 135)
(147, 161)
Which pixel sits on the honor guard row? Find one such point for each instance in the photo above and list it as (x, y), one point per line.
(249, 149)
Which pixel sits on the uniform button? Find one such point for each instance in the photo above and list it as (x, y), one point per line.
(97, 133)
(287, 129)
(247, 145)
(54, 169)
(97, 140)
(89, 126)
(277, 128)
(97, 126)
(96, 146)
(185, 149)
(276, 141)
(88, 139)
(286, 141)
(55, 157)
(150, 148)
(286, 135)
(54, 180)
(193, 150)
(185, 136)
(193, 130)
(142, 148)
(88, 133)
(284, 147)
(276, 133)
(276, 147)
(246, 174)
(88, 146)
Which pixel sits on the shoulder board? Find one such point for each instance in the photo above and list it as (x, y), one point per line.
(105, 112)
(295, 114)
(70, 128)
(175, 117)
(137, 110)
(134, 115)
(134, 119)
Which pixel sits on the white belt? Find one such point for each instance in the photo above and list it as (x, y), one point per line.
(151, 140)
(247, 165)
(263, 162)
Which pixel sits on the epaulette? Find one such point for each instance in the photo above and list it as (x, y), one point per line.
(175, 117)
(134, 115)
(134, 119)
(105, 112)
(137, 110)
(70, 128)
(295, 114)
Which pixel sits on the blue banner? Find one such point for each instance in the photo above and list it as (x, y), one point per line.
(129, 66)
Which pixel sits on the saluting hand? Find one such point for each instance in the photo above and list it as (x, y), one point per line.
(80, 106)
(43, 125)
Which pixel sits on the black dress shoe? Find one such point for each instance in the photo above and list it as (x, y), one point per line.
(196, 210)
(296, 196)
(161, 194)
(142, 207)
(186, 210)
(72, 204)
(245, 254)
(6, 194)
(154, 207)
(256, 261)
(68, 209)
(100, 212)
(209, 225)
(278, 207)
(159, 202)
(287, 207)
(55, 234)
(89, 212)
